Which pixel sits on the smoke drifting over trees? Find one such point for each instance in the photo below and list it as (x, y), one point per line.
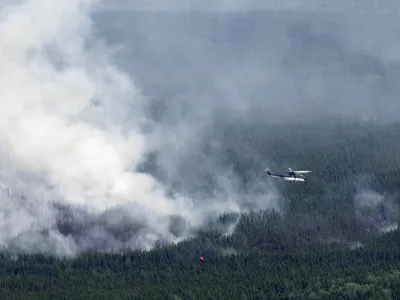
(123, 128)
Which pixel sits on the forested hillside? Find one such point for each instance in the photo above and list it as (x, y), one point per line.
(336, 236)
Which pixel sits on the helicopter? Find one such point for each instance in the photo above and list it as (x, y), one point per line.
(290, 175)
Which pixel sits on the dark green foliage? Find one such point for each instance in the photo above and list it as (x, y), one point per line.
(304, 252)
(163, 274)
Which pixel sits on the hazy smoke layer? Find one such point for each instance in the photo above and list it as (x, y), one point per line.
(238, 5)
(376, 211)
(65, 139)
(76, 131)
(216, 80)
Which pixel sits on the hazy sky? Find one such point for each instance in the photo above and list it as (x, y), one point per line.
(228, 5)
(274, 62)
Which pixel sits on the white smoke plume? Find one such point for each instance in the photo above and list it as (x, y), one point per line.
(375, 211)
(63, 139)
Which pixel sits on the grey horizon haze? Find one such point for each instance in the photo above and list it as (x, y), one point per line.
(125, 115)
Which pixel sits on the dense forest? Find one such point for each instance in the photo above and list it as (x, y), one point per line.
(335, 237)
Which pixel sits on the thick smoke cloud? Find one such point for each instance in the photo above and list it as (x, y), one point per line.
(73, 135)
(131, 159)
